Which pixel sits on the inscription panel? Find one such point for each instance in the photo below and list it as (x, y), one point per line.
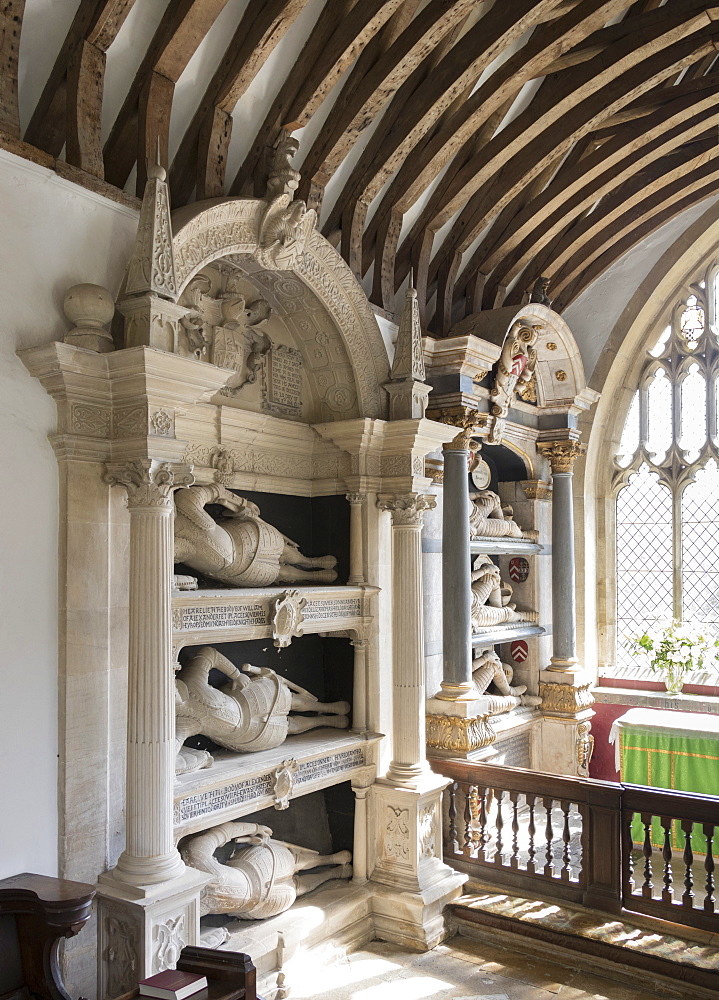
(513, 751)
(349, 607)
(283, 381)
(218, 616)
(239, 793)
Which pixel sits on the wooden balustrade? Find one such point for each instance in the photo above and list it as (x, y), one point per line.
(668, 855)
(601, 844)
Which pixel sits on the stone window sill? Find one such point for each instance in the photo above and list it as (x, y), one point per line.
(656, 699)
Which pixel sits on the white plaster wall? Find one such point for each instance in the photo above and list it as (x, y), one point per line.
(54, 234)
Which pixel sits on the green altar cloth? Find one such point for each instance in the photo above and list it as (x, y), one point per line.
(674, 750)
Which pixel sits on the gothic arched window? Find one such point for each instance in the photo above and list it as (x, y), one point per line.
(667, 478)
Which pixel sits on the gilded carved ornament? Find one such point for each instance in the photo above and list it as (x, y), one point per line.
(468, 421)
(450, 732)
(561, 455)
(565, 698)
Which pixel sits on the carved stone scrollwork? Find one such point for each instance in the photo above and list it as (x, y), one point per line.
(561, 455)
(514, 370)
(397, 840)
(120, 956)
(287, 618)
(585, 748)
(169, 942)
(284, 783)
(356, 498)
(450, 732)
(148, 483)
(407, 510)
(427, 832)
(223, 462)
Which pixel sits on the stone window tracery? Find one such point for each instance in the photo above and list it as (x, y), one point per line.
(666, 481)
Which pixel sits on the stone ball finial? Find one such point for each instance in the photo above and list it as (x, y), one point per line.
(90, 308)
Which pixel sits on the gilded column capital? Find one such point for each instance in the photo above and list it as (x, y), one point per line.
(407, 509)
(148, 483)
(561, 455)
(468, 420)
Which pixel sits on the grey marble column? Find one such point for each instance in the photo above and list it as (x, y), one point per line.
(456, 577)
(150, 855)
(561, 456)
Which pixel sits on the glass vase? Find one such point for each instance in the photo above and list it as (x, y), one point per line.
(673, 678)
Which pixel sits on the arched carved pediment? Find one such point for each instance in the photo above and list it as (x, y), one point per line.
(559, 369)
(208, 231)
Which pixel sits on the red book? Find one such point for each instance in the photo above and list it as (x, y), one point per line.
(172, 985)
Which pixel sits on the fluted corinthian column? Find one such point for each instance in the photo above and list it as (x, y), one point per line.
(356, 501)
(408, 711)
(150, 855)
(561, 456)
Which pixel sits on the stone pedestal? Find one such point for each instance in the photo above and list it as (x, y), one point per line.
(409, 851)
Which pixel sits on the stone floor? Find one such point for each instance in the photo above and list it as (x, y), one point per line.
(462, 968)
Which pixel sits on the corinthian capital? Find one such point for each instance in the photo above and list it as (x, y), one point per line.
(561, 455)
(148, 483)
(407, 509)
(468, 420)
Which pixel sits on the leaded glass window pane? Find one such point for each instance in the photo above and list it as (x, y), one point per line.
(693, 413)
(659, 405)
(700, 547)
(692, 322)
(644, 557)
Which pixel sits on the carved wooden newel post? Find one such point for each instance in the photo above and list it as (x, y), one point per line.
(150, 854)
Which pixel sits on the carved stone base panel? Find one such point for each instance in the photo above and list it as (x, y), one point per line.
(138, 937)
(565, 745)
(413, 885)
(238, 784)
(409, 836)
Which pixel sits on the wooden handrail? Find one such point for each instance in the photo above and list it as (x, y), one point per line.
(678, 805)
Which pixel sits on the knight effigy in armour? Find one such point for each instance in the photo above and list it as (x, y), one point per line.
(260, 878)
(241, 550)
(250, 712)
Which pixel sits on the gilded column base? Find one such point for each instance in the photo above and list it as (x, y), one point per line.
(565, 699)
(450, 732)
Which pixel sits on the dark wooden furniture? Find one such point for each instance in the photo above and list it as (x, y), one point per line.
(230, 974)
(36, 912)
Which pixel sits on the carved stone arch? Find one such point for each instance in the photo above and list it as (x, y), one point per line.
(560, 371)
(205, 232)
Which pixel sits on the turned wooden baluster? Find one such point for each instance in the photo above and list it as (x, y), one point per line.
(688, 894)
(483, 835)
(452, 814)
(531, 830)
(549, 836)
(627, 858)
(709, 900)
(514, 799)
(667, 891)
(499, 825)
(647, 885)
(566, 872)
(467, 845)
